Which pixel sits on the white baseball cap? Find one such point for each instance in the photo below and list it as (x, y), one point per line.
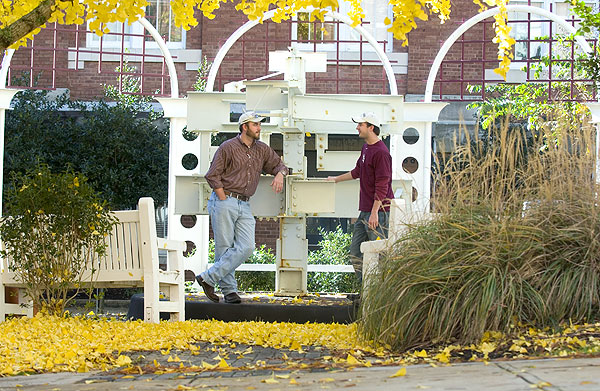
(250, 116)
(369, 117)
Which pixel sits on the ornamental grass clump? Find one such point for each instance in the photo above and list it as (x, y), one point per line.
(515, 237)
(53, 229)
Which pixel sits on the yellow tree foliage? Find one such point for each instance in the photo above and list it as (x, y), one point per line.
(21, 19)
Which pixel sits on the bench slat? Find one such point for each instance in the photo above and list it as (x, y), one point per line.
(127, 261)
(136, 259)
(113, 253)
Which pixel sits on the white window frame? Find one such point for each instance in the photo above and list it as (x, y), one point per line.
(347, 33)
(132, 43)
(560, 8)
(328, 46)
(114, 47)
(544, 4)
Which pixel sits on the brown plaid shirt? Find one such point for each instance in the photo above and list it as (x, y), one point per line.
(237, 167)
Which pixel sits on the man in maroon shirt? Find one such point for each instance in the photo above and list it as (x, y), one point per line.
(233, 175)
(374, 169)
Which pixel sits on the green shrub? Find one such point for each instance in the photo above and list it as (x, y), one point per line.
(55, 226)
(258, 281)
(516, 238)
(123, 153)
(333, 250)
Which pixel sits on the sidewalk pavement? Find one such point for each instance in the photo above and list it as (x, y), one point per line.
(526, 375)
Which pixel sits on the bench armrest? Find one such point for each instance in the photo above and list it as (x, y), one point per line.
(171, 245)
(175, 249)
(373, 246)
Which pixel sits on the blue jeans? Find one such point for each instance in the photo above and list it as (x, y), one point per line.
(362, 233)
(233, 228)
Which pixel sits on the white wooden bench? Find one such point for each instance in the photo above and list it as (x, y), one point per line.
(131, 261)
(400, 218)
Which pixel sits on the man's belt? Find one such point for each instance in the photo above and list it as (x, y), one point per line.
(240, 197)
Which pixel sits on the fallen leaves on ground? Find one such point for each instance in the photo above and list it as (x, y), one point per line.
(53, 344)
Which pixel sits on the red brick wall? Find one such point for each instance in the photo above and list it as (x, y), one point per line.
(87, 83)
(424, 43)
(209, 36)
(267, 233)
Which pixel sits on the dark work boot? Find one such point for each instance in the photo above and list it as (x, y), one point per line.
(209, 291)
(233, 298)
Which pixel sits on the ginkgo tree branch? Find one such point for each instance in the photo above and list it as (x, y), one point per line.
(13, 32)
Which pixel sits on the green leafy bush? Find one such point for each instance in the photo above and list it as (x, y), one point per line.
(55, 226)
(516, 237)
(258, 281)
(122, 152)
(333, 250)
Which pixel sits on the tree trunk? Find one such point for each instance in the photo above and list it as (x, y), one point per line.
(27, 23)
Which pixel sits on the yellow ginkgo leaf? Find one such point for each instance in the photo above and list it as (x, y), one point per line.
(352, 360)
(293, 381)
(123, 361)
(270, 381)
(223, 364)
(442, 357)
(400, 372)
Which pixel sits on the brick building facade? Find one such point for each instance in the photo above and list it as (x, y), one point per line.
(69, 57)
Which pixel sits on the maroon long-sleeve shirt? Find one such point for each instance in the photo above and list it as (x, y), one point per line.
(374, 168)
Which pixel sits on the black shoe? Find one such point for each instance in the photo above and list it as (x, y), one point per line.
(353, 296)
(209, 291)
(233, 298)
